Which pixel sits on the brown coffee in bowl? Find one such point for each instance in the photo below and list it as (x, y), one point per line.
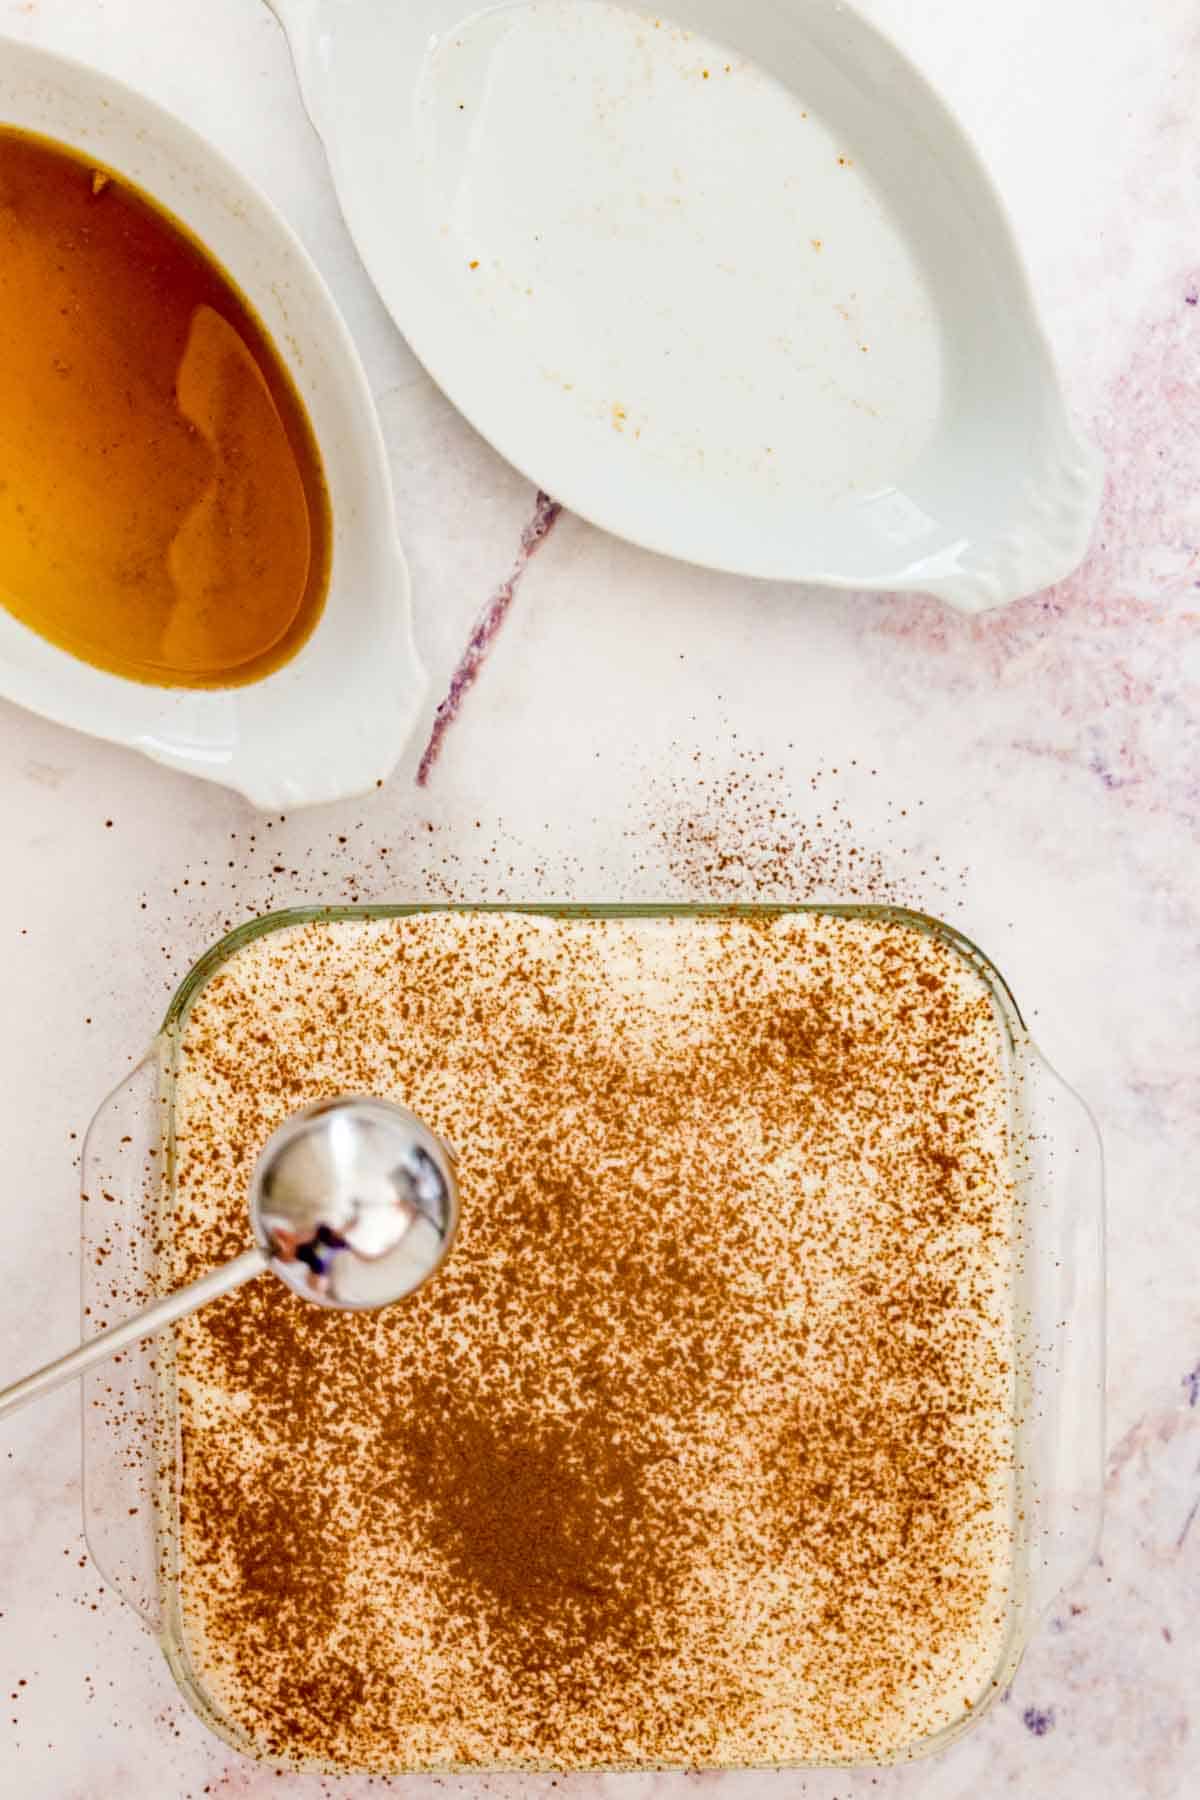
(163, 512)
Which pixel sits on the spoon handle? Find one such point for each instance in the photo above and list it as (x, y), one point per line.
(118, 1337)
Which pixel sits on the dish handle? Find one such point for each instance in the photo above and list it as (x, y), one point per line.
(121, 1184)
(1044, 533)
(1064, 1285)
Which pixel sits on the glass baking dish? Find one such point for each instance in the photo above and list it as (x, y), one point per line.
(131, 1451)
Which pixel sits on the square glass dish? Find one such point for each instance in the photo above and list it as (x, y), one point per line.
(811, 1150)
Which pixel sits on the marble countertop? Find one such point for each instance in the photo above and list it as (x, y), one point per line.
(1033, 776)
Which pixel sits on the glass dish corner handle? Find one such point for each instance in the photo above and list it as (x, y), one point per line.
(121, 1194)
(1061, 1289)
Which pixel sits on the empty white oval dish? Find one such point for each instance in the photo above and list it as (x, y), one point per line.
(732, 284)
(335, 719)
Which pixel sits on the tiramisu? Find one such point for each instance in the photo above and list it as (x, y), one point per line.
(699, 1450)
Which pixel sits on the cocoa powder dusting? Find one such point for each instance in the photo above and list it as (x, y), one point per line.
(698, 1450)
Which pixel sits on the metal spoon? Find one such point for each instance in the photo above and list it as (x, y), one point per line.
(353, 1203)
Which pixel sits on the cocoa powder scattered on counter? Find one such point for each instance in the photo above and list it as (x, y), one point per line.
(741, 829)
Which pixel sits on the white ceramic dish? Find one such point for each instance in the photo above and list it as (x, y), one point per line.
(736, 288)
(336, 718)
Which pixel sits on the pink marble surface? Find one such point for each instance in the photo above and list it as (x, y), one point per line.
(1033, 776)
